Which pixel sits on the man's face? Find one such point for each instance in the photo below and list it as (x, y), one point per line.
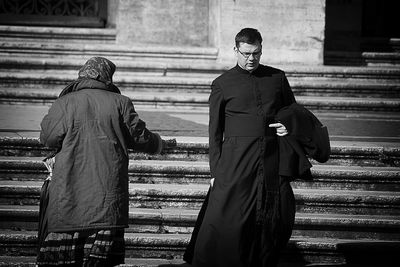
(248, 55)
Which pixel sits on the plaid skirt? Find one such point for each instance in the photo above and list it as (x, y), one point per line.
(86, 248)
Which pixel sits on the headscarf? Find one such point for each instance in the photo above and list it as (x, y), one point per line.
(97, 69)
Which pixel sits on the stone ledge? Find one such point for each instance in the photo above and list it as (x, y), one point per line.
(329, 177)
(159, 80)
(199, 67)
(199, 101)
(381, 55)
(112, 51)
(57, 34)
(196, 148)
(299, 250)
(382, 59)
(29, 261)
(191, 196)
(182, 221)
(370, 59)
(201, 168)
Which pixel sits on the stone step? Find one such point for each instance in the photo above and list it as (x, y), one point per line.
(158, 196)
(41, 48)
(380, 44)
(171, 246)
(48, 83)
(395, 44)
(29, 261)
(377, 128)
(382, 58)
(26, 261)
(50, 38)
(199, 101)
(155, 171)
(344, 153)
(196, 68)
(182, 221)
(58, 35)
(200, 74)
(112, 51)
(370, 59)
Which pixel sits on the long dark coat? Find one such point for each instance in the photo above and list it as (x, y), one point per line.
(243, 161)
(93, 127)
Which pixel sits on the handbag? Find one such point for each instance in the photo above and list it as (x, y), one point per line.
(44, 201)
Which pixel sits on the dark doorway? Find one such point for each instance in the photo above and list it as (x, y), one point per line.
(380, 24)
(381, 18)
(356, 26)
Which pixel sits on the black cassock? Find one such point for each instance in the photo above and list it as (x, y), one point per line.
(250, 212)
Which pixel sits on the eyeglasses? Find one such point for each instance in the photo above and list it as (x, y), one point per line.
(247, 55)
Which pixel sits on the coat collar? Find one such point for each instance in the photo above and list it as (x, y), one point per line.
(86, 83)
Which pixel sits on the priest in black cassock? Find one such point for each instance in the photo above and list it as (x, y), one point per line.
(250, 212)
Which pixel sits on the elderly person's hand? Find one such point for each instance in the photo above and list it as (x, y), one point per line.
(169, 143)
(280, 128)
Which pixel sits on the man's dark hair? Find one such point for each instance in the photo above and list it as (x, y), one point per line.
(248, 35)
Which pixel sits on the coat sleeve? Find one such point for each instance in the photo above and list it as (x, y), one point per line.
(287, 94)
(216, 126)
(53, 126)
(139, 137)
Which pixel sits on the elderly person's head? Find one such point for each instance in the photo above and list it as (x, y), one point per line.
(98, 68)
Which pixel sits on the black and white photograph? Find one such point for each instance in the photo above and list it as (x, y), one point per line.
(199, 133)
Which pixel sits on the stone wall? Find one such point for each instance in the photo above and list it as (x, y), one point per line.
(163, 22)
(293, 31)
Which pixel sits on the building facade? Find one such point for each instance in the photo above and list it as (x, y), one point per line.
(300, 32)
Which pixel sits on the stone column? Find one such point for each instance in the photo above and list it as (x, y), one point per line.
(112, 12)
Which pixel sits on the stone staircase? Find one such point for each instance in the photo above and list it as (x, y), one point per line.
(35, 71)
(351, 208)
(349, 215)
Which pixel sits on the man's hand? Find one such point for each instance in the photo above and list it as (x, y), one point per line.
(280, 128)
